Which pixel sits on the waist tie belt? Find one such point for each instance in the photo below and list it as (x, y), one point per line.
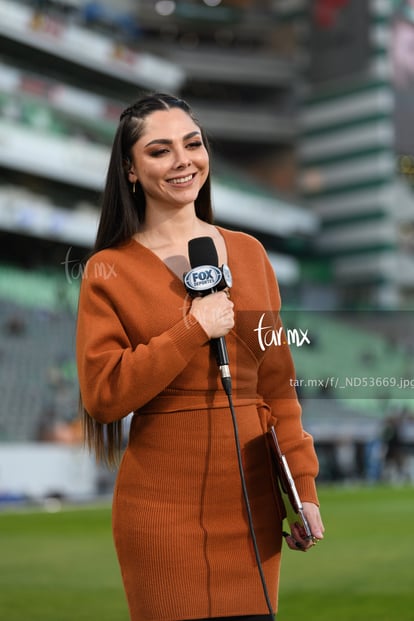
(178, 401)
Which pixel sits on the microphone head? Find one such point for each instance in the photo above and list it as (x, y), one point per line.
(202, 251)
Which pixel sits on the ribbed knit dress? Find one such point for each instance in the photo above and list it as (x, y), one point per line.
(179, 521)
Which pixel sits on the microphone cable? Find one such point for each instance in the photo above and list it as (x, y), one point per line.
(206, 277)
(226, 381)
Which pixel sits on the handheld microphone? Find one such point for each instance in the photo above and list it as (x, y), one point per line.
(206, 277)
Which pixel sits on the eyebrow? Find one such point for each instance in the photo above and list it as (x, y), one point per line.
(167, 141)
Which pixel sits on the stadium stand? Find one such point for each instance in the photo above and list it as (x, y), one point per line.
(37, 372)
(59, 104)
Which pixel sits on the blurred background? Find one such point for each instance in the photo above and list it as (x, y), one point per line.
(308, 106)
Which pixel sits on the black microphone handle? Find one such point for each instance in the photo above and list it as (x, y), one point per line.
(222, 357)
(221, 351)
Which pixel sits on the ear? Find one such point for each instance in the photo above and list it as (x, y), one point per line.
(130, 170)
(132, 177)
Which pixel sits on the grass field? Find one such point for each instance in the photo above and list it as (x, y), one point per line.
(364, 568)
(62, 566)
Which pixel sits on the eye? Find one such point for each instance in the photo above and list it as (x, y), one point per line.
(194, 144)
(158, 152)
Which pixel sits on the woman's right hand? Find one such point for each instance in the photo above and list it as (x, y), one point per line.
(214, 312)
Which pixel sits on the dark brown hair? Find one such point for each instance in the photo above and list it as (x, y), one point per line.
(122, 213)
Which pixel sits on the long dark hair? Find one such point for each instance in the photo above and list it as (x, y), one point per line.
(122, 213)
(123, 210)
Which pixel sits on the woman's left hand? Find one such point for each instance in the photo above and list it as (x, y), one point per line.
(296, 539)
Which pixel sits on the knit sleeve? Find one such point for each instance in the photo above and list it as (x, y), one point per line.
(276, 386)
(114, 377)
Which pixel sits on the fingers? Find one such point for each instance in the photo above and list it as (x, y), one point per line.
(215, 313)
(297, 539)
(313, 516)
(293, 544)
(297, 542)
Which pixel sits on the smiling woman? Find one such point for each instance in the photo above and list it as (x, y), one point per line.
(171, 169)
(145, 346)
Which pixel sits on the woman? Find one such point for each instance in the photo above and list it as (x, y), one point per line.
(143, 346)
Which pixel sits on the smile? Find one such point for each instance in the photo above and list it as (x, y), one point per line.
(181, 179)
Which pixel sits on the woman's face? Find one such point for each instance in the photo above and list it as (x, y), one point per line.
(170, 160)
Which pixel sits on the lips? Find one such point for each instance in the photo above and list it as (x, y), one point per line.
(179, 180)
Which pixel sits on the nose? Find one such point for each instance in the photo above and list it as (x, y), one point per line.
(182, 159)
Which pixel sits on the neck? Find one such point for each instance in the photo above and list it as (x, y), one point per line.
(160, 229)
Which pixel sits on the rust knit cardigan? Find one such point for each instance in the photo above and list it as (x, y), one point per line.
(179, 521)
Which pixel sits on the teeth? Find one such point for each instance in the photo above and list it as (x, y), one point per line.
(181, 179)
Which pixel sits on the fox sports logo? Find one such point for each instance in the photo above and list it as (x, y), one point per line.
(202, 278)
